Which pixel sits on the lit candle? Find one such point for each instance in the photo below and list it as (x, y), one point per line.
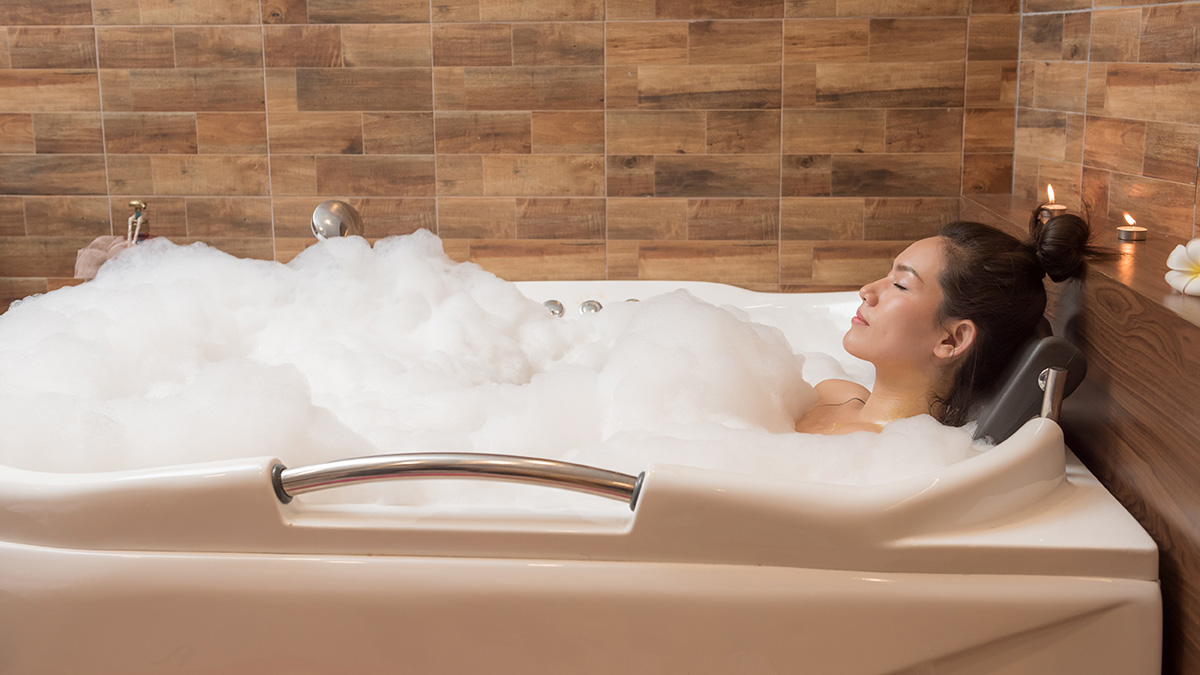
(1050, 209)
(1132, 231)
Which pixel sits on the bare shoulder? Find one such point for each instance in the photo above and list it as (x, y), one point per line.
(840, 391)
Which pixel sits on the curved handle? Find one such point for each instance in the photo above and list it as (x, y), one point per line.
(550, 473)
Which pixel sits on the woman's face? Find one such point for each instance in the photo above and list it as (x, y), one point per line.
(897, 321)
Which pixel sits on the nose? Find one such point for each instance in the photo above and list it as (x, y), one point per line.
(868, 293)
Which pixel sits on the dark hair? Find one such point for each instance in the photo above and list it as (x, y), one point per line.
(995, 280)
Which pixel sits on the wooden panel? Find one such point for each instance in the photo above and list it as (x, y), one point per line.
(1115, 34)
(733, 219)
(753, 265)
(192, 89)
(541, 10)
(553, 218)
(900, 85)
(281, 89)
(459, 175)
(166, 216)
(284, 11)
(48, 91)
(938, 130)
(472, 218)
(1164, 93)
(807, 175)
(543, 175)
(326, 133)
(398, 133)
(67, 216)
(716, 176)
(52, 175)
(46, 12)
(1094, 193)
(533, 259)
(896, 175)
(77, 133)
(918, 39)
(116, 12)
(393, 216)
(293, 175)
(994, 38)
(40, 256)
(743, 131)
(853, 263)
(656, 132)
(130, 174)
(1115, 144)
(795, 264)
(630, 175)
(558, 44)
(625, 10)
(647, 218)
(364, 89)
(822, 219)
(646, 43)
(483, 132)
(232, 133)
(1077, 34)
(16, 133)
(532, 88)
(988, 130)
(719, 9)
(1055, 36)
(708, 87)
(475, 44)
(302, 46)
(45, 47)
(224, 47)
(833, 131)
(150, 133)
(209, 175)
(620, 87)
(1171, 152)
(987, 173)
(840, 40)
(905, 218)
(810, 8)
(136, 47)
(198, 11)
(367, 11)
(376, 175)
(386, 46)
(912, 8)
(228, 217)
(1169, 34)
(991, 84)
(1059, 85)
(733, 42)
(455, 10)
(293, 217)
(1159, 205)
(567, 133)
(1042, 133)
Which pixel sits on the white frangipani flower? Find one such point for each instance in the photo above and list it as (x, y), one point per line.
(1184, 262)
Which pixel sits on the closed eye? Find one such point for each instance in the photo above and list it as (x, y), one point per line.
(899, 286)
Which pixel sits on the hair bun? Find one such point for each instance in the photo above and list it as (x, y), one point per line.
(1061, 246)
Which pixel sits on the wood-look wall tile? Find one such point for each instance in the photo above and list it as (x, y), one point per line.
(987, 173)
(280, 86)
(1094, 194)
(733, 219)
(647, 218)
(386, 216)
(307, 133)
(795, 263)
(1058, 5)
(232, 133)
(199, 11)
(1074, 143)
(116, 12)
(1159, 92)
(197, 89)
(853, 263)
(1025, 177)
(719, 9)
(116, 93)
(743, 131)
(988, 130)
(1042, 36)
(287, 248)
(150, 133)
(472, 44)
(558, 44)
(536, 259)
(52, 175)
(541, 10)
(386, 46)
(1026, 85)
(46, 12)
(659, 132)
(1168, 34)
(567, 133)
(67, 216)
(5, 62)
(1160, 205)
(40, 256)
(165, 216)
(923, 130)
(293, 216)
(543, 175)
(734, 42)
(716, 176)
(558, 218)
(367, 11)
(991, 84)
(474, 133)
(473, 218)
(284, 11)
(366, 89)
(913, 8)
(800, 85)
(994, 38)
(1077, 36)
(833, 40)
(661, 43)
(459, 175)
(630, 175)
(1041, 133)
(1065, 178)
(136, 47)
(807, 176)
(1060, 85)
(822, 219)
(302, 46)
(293, 175)
(234, 175)
(1115, 34)
(621, 87)
(445, 11)
(49, 91)
(398, 133)
(534, 88)
(16, 133)
(906, 218)
(228, 216)
(896, 175)
(810, 9)
(749, 264)
(376, 175)
(806, 131)
(52, 47)
(709, 87)
(218, 47)
(940, 39)
(629, 10)
(70, 133)
(900, 85)
(130, 175)
(1171, 152)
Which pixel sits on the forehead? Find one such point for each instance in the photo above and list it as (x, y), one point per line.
(923, 256)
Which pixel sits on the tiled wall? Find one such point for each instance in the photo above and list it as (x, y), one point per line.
(1109, 109)
(767, 143)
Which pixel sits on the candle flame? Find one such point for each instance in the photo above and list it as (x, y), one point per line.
(1129, 219)
(1050, 192)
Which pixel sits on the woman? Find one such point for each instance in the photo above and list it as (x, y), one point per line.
(947, 319)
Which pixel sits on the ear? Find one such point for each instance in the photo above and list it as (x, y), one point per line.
(960, 335)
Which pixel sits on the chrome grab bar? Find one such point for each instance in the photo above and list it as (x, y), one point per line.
(550, 473)
(1052, 381)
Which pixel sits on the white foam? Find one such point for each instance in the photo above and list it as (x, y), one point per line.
(184, 354)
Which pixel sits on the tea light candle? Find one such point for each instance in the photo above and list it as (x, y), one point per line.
(1050, 209)
(1132, 231)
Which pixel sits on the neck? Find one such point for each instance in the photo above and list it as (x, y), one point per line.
(897, 393)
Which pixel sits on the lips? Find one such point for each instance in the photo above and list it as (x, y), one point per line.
(859, 320)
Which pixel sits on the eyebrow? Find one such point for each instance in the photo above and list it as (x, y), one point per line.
(901, 267)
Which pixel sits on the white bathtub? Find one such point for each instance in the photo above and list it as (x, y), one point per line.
(1014, 561)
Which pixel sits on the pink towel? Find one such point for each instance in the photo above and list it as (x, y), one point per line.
(100, 251)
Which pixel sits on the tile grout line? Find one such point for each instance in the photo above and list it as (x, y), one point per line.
(262, 37)
(103, 137)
